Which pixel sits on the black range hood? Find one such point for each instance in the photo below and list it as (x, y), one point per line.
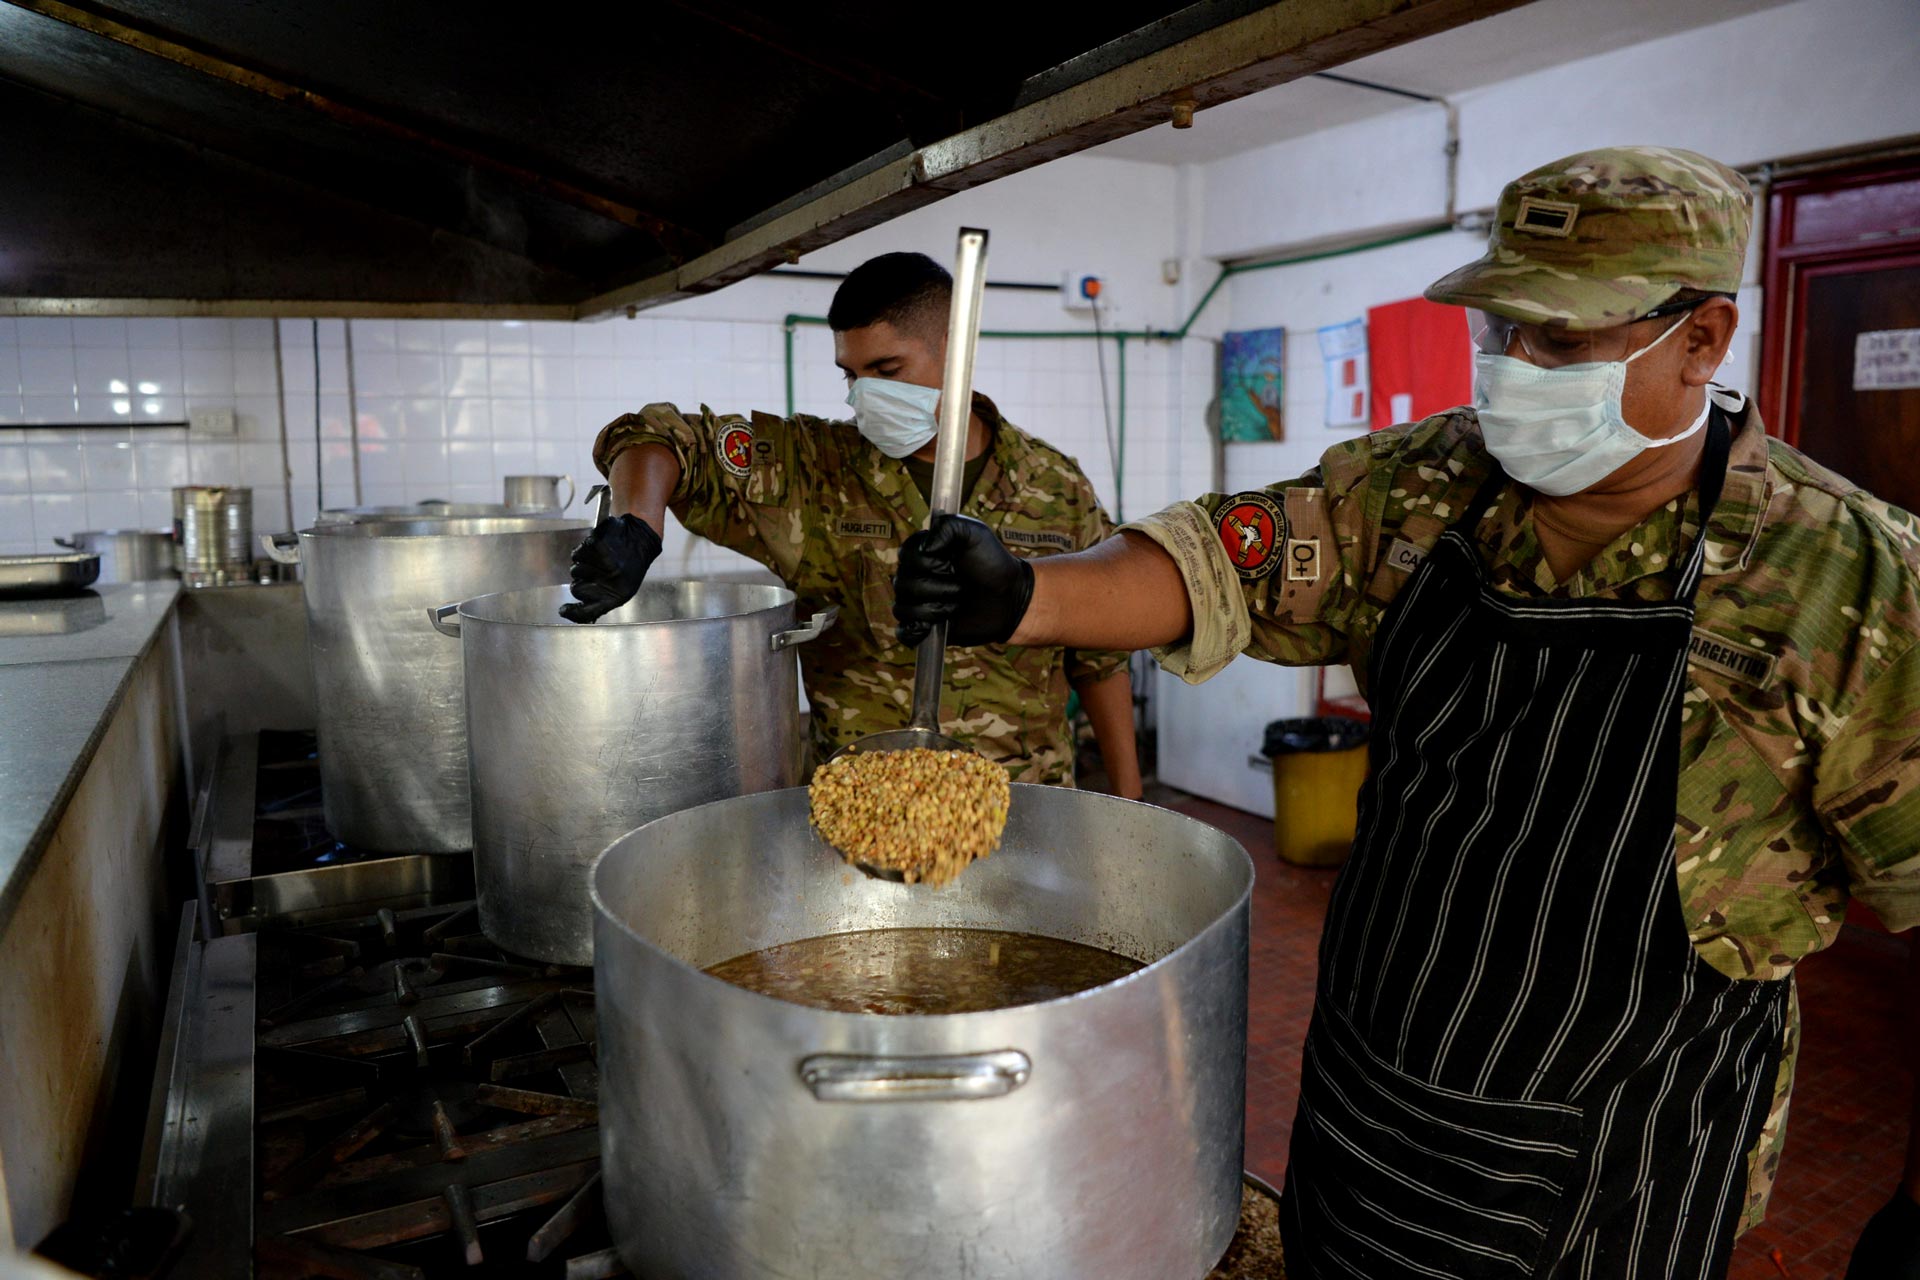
(384, 157)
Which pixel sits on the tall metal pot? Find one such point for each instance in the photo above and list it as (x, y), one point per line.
(577, 734)
(212, 532)
(392, 720)
(747, 1138)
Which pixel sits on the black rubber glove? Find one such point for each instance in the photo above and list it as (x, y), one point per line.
(609, 567)
(958, 573)
(1889, 1249)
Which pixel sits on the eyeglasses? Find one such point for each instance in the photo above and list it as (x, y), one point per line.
(1552, 346)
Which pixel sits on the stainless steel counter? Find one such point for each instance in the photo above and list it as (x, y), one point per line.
(91, 797)
(64, 666)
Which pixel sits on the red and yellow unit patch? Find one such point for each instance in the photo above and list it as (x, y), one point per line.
(1252, 530)
(735, 448)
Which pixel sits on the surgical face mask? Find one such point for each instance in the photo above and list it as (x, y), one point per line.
(898, 417)
(1561, 430)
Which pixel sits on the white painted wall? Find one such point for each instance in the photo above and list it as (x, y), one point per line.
(1806, 77)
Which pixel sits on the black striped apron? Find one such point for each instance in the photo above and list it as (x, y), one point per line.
(1518, 1065)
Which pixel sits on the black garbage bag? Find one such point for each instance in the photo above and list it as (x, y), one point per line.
(1313, 733)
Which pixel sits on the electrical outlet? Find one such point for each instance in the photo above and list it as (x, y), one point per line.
(1083, 291)
(211, 422)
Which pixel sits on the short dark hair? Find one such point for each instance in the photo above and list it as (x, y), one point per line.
(909, 291)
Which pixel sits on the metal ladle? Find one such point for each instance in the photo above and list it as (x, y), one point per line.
(949, 471)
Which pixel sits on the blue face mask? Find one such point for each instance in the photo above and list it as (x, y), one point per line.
(898, 417)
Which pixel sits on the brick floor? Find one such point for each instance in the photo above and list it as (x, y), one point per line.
(1846, 1134)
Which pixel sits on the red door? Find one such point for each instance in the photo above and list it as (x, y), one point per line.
(1840, 370)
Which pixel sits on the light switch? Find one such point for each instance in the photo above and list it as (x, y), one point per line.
(210, 422)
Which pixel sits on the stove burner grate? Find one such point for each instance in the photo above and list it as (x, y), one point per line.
(427, 1104)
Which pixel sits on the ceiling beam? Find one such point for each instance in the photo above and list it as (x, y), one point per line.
(292, 308)
(676, 240)
(1276, 44)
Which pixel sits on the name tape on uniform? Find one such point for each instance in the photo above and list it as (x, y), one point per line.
(1404, 556)
(1036, 538)
(1742, 663)
(850, 527)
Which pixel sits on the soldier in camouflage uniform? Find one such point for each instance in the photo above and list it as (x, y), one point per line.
(1789, 610)
(826, 509)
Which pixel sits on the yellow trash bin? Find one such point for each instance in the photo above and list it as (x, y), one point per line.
(1318, 766)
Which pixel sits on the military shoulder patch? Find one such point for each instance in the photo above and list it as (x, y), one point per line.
(1252, 529)
(1737, 662)
(734, 448)
(1546, 217)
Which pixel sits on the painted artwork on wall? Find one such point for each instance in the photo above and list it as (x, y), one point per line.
(1252, 383)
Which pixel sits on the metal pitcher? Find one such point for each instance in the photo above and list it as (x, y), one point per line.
(538, 493)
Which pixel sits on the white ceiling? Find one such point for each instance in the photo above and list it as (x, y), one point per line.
(1543, 34)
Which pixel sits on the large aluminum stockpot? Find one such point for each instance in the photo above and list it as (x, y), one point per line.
(747, 1138)
(576, 734)
(392, 720)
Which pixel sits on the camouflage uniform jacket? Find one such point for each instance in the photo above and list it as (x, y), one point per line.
(815, 502)
(1800, 732)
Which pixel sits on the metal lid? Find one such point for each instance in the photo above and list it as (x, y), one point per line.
(667, 601)
(443, 527)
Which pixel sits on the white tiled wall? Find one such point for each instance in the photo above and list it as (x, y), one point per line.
(447, 408)
(57, 481)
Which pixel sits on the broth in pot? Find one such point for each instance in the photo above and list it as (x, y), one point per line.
(924, 971)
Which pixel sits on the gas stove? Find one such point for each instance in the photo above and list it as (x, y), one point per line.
(355, 1082)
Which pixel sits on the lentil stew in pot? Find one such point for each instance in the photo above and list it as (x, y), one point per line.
(924, 971)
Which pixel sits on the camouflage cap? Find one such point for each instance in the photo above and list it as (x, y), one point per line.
(1598, 238)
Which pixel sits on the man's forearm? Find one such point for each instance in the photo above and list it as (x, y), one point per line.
(643, 479)
(1125, 593)
(1109, 704)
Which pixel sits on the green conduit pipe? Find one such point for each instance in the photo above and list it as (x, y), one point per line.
(1122, 336)
(1120, 446)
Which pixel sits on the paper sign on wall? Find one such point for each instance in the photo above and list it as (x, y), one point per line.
(1886, 360)
(1343, 351)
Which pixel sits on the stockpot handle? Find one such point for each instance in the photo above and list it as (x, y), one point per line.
(571, 490)
(818, 623)
(279, 553)
(850, 1077)
(600, 498)
(69, 543)
(439, 616)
